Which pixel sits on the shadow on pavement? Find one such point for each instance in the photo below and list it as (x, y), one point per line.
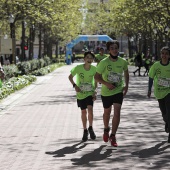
(155, 150)
(67, 150)
(93, 156)
(87, 159)
(54, 100)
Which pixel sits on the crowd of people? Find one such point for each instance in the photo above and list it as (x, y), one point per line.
(112, 73)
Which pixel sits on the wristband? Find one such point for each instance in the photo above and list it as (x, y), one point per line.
(74, 85)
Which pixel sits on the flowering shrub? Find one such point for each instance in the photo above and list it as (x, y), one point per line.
(46, 70)
(15, 83)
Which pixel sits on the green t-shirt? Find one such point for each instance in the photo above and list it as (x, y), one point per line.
(112, 72)
(84, 80)
(100, 57)
(148, 61)
(161, 76)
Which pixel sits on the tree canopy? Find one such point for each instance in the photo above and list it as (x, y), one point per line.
(63, 20)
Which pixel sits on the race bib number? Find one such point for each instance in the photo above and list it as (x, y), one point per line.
(114, 77)
(163, 82)
(86, 87)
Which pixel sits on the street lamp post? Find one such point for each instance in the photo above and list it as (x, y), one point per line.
(131, 46)
(12, 28)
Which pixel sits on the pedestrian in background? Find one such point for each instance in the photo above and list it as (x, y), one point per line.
(110, 73)
(160, 74)
(147, 64)
(138, 63)
(85, 89)
(100, 56)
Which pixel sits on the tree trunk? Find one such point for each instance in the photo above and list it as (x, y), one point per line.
(56, 49)
(23, 42)
(31, 40)
(40, 44)
(49, 49)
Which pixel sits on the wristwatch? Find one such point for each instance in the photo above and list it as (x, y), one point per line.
(74, 85)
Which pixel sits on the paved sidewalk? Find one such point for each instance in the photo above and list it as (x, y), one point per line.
(40, 129)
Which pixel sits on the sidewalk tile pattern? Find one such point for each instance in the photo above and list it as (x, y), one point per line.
(41, 129)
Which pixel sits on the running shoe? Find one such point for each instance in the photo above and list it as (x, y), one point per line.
(92, 134)
(113, 140)
(85, 136)
(166, 127)
(106, 134)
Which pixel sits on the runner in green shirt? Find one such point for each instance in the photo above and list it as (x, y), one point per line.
(159, 74)
(85, 89)
(110, 73)
(100, 56)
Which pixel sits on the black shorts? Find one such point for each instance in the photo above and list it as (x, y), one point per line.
(109, 100)
(83, 103)
(165, 106)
